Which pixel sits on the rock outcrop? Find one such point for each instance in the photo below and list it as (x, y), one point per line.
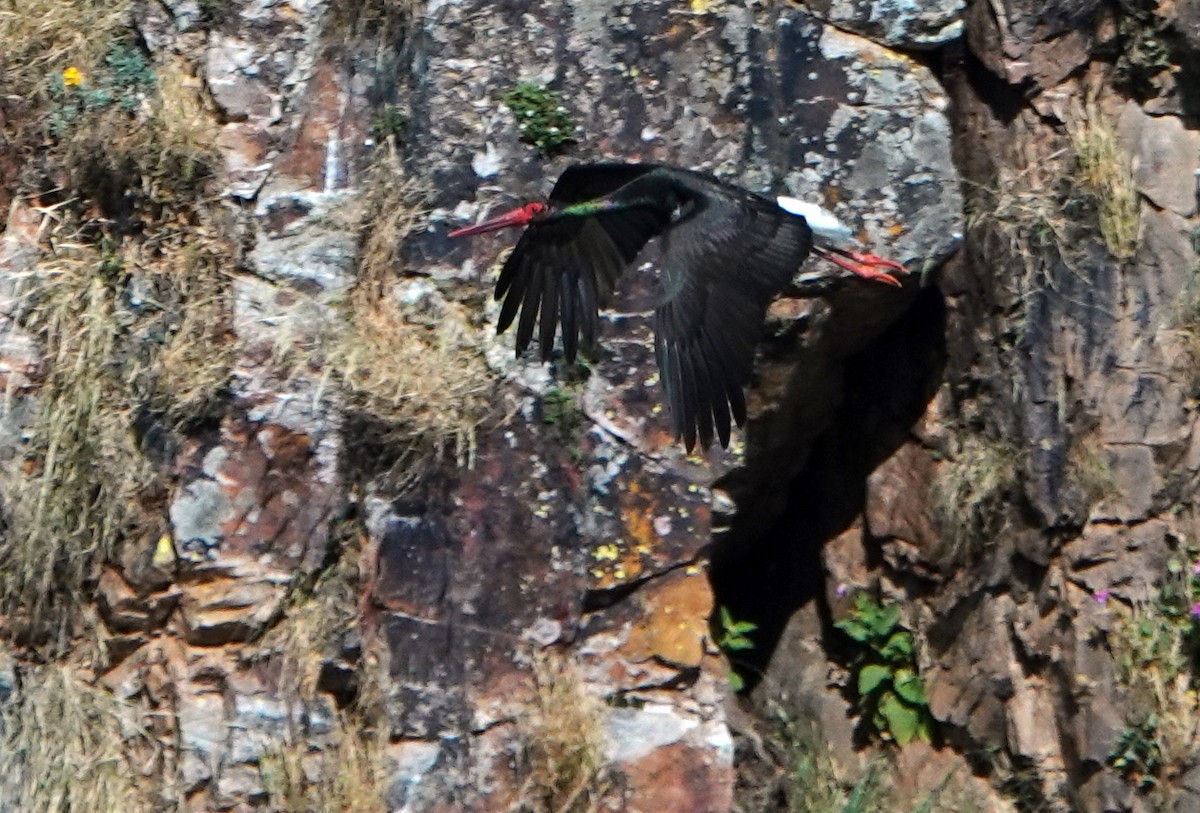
(347, 552)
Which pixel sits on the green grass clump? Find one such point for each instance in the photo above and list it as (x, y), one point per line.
(891, 694)
(1156, 648)
(541, 117)
(1104, 173)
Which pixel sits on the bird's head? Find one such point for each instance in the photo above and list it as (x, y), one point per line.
(521, 216)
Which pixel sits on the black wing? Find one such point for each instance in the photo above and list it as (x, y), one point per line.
(566, 268)
(722, 264)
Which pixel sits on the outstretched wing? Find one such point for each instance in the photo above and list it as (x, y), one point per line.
(722, 264)
(566, 267)
(727, 253)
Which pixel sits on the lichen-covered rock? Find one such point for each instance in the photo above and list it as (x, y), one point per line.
(896, 23)
(1050, 376)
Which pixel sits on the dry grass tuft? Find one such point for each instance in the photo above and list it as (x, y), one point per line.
(1088, 467)
(66, 747)
(186, 372)
(409, 358)
(563, 741)
(1104, 172)
(83, 485)
(318, 615)
(76, 493)
(422, 377)
(970, 492)
(182, 147)
(385, 22)
(813, 782)
(348, 775)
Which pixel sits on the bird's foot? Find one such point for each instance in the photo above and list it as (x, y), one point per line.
(867, 266)
(875, 261)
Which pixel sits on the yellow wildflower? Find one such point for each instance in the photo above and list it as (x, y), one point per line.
(72, 77)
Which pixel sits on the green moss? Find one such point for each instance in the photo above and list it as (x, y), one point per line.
(541, 117)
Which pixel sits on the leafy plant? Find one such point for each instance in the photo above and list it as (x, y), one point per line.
(541, 117)
(735, 638)
(1137, 753)
(129, 74)
(122, 80)
(891, 693)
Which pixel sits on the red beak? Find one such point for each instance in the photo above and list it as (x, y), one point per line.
(517, 217)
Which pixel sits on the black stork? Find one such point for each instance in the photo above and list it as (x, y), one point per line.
(726, 253)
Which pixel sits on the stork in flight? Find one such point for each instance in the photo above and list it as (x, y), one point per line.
(726, 253)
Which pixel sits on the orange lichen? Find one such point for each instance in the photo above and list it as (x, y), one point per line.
(675, 625)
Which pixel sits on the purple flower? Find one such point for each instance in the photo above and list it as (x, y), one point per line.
(1196, 610)
(1101, 596)
(842, 590)
(1196, 568)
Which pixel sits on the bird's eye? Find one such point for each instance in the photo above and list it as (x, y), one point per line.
(535, 209)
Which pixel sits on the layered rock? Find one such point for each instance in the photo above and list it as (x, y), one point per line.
(1039, 377)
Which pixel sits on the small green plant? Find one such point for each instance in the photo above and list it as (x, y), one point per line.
(558, 408)
(123, 79)
(541, 117)
(388, 120)
(129, 74)
(1144, 54)
(1137, 753)
(1154, 644)
(735, 638)
(891, 694)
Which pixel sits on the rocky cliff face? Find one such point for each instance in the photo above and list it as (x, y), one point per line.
(286, 526)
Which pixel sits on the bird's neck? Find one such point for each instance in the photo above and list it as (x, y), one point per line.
(591, 207)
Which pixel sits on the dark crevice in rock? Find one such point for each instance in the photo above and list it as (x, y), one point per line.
(1004, 100)
(888, 385)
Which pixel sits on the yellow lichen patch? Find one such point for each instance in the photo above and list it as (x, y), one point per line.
(616, 564)
(606, 553)
(675, 626)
